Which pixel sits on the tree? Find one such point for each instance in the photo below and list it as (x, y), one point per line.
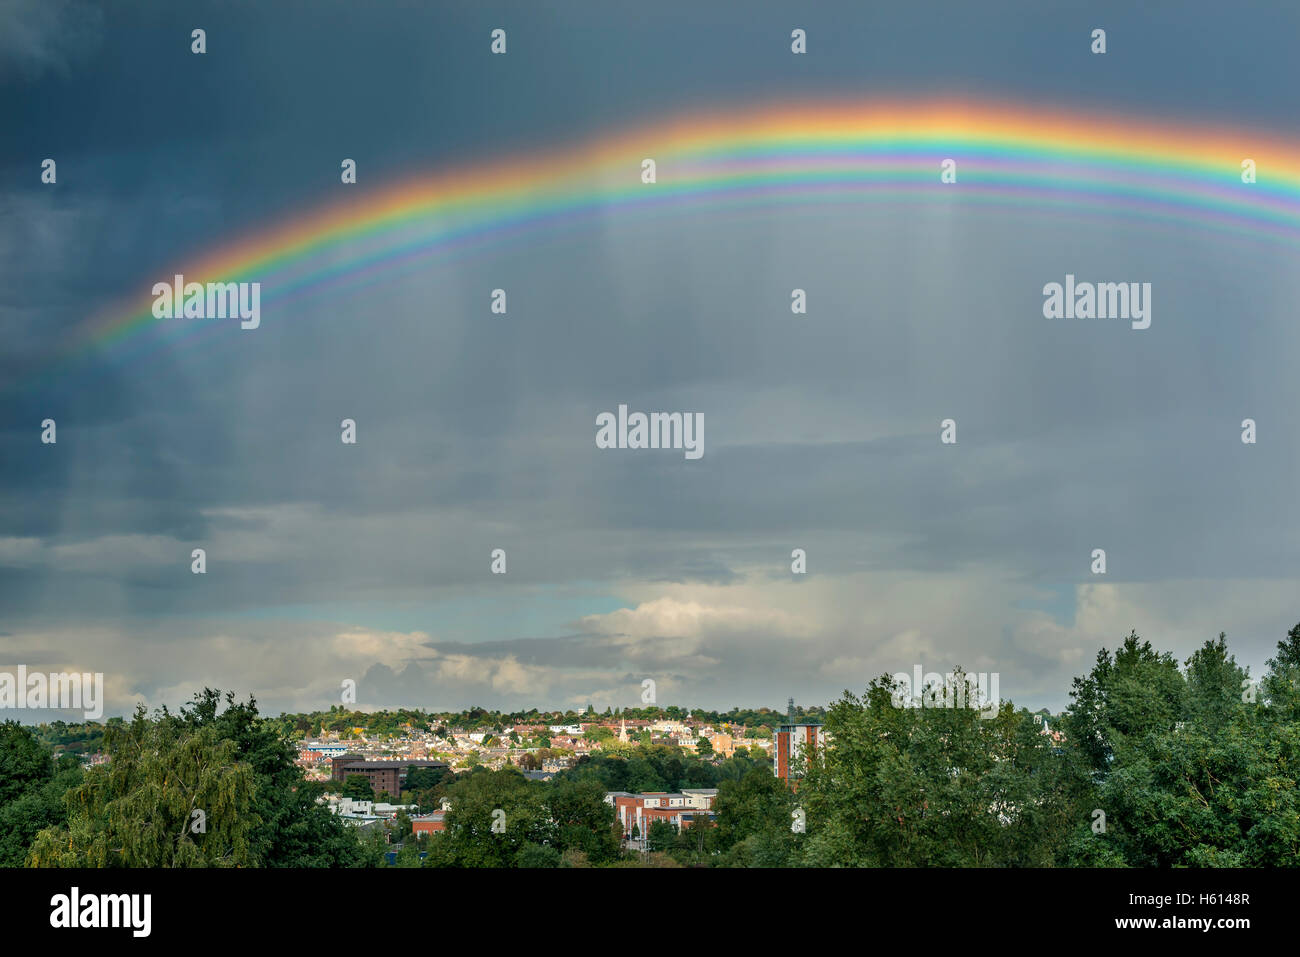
(408, 855)
(32, 784)
(167, 798)
(758, 802)
(660, 836)
(357, 787)
(530, 762)
(1217, 788)
(1214, 686)
(372, 847)
(493, 815)
(1282, 683)
(537, 855)
(294, 829)
(1124, 698)
(582, 819)
(933, 786)
(402, 827)
(424, 779)
(24, 761)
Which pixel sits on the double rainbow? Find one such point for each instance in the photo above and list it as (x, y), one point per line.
(1008, 155)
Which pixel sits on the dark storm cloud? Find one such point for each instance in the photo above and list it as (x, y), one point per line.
(39, 37)
(477, 432)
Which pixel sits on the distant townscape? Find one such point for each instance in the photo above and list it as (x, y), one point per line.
(393, 762)
(1155, 763)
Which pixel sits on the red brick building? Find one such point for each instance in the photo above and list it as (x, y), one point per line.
(789, 744)
(383, 775)
(681, 809)
(429, 823)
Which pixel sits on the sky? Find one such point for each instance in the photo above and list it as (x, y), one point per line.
(371, 562)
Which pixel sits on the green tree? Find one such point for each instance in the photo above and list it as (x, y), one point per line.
(1124, 698)
(933, 786)
(537, 855)
(24, 761)
(758, 802)
(357, 787)
(33, 785)
(402, 827)
(424, 779)
(408, 855)
(660, 836)
(582, 819)
(140, 809)
(294, 829)
(1214, 686)
(471, 840)
(1217, 789)
(1282, 682)
(529, 761)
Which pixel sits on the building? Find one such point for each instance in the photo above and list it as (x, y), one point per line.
(670, 727)
(383, 775)
(789, 742)
(346, 807)
(722, 743)
(324, 749)
(681, 809)
(429, 823)
(356, 813)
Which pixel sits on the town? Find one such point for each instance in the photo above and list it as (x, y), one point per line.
(382, 778)
(867, 781)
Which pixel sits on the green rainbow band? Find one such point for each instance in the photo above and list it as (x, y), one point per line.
(1008, 154)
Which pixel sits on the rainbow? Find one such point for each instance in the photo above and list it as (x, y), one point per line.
(1072, 163)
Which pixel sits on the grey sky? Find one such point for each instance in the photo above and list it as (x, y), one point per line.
(371, 562)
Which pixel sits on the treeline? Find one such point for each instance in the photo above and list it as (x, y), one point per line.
(195, 788)
(1162, 764)
(392, 723)
(79, 737)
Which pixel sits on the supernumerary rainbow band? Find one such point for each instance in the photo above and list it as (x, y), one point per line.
(1006, 154)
